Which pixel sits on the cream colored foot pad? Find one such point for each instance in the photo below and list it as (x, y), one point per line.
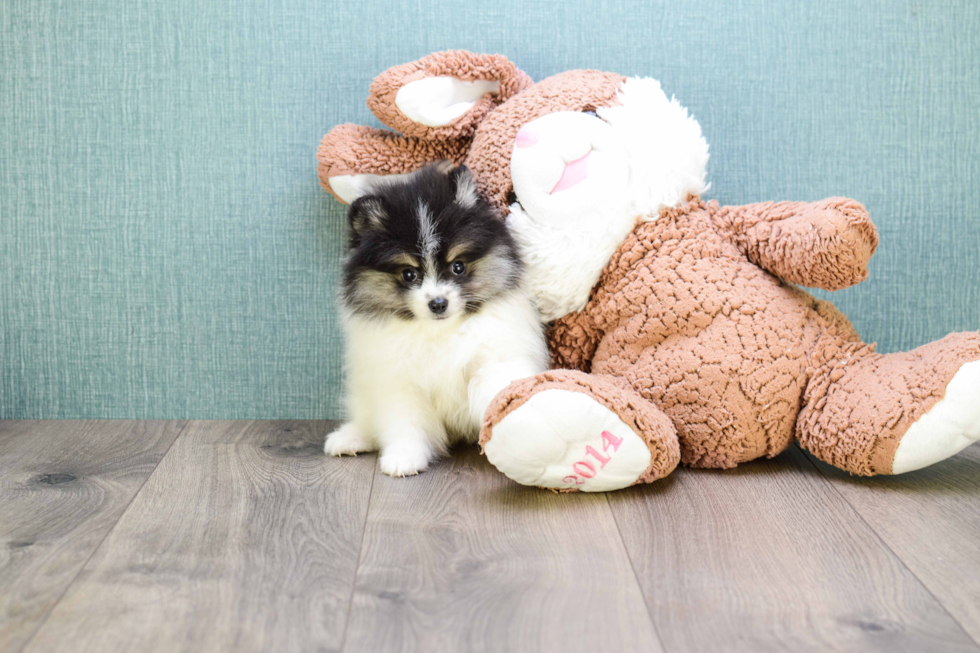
(564, 439)
(950, 426)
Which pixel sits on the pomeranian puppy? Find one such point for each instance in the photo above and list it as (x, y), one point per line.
(436, 319)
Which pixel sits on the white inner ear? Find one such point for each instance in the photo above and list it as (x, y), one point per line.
(350, 187)
(437, 101)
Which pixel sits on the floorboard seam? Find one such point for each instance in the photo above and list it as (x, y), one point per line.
(826, 479)
(636, 576)
(360, 553)
(68, 586)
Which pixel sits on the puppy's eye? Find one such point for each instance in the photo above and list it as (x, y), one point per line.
(591, 113)
(410, 275)
(458, 268)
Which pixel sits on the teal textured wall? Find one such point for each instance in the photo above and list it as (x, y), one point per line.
(165, 250)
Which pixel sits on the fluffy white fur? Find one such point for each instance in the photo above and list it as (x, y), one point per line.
(415, 387)
(645, 155)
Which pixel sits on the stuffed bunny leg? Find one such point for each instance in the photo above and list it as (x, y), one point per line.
(571, 431)
(870, 413)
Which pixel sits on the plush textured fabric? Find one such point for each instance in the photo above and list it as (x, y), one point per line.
(858, 403)
(354, 149)
(614, 393)
(731, 354)
(695, 320)
(825, 245)
(349, 149)
(462, 65)
(489, 154)
(166, 251)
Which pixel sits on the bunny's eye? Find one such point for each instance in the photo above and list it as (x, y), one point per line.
(591, 113)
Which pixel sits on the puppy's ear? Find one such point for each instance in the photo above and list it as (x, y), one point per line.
(445, 166)
(466, 195)
(365, 214)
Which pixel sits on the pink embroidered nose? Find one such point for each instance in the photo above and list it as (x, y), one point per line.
(573, 173)
(525, 137)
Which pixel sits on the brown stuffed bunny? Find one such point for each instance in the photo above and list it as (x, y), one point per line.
(677, 332)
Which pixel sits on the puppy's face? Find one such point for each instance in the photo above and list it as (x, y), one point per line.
(427, 248)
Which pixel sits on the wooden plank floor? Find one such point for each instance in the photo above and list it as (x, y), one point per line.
(63, 486)
(212, 536)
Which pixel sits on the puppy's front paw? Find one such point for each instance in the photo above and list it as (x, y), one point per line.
(405, 458)
(347, 441)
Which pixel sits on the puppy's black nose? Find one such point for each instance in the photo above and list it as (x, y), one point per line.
(439, 305)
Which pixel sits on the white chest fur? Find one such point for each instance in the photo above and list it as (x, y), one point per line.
(432, 364)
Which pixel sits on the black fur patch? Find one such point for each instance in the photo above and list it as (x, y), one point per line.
(386, 233)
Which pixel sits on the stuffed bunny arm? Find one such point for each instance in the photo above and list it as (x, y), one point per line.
(825, 244)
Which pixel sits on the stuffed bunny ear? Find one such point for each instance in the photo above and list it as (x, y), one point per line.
(444, 95)
(352, 158)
